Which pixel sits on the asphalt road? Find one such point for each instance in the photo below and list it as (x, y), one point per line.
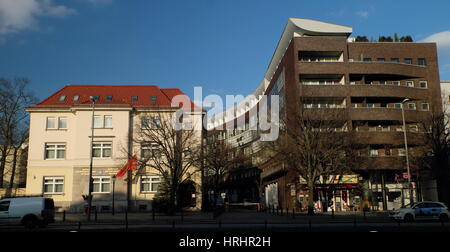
(244, 221)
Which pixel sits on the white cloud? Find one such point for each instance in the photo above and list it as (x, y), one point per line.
(362, 14)
(21, 15)
(442, 40)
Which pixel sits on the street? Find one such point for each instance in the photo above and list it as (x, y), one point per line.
(241, 221)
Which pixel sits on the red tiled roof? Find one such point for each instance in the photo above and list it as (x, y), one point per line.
(121, 96)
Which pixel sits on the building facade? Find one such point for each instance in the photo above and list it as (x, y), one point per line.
(60, 139)
(317, 66)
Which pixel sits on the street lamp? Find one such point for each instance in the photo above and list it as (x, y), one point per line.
(411, 191)
(114, 191)
(91, 185)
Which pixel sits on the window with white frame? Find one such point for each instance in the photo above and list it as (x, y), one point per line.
(150, 184)
(396, 83)
(55, 151)
(150, 150)
(51, 123)
(108, 122)
(62, 122)
(102, 149)
(373, 153)
(402, 152)
(411, 106)
(398, 105)
(423, 84)
(425, 106)
(413, 128)
(98, 122)
(149, 122)
(101, 184)
(410, 83)
(54, 123)
(53, 185)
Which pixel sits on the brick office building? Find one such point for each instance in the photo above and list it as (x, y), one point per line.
(317, 66)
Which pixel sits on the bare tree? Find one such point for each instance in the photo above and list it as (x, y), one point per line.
(169, 151)
(315, 143)
(14, 98)
(436, 151)
(219, 159)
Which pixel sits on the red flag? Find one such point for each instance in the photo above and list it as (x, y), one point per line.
(130, 165)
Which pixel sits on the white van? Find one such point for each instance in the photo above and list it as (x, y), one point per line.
(28, 211)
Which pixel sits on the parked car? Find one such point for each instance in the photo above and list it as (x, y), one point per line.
(28, 211)
(422, 211)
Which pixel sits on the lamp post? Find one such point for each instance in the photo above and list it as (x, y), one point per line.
(92, 99)
(411, 191)
(114, 191)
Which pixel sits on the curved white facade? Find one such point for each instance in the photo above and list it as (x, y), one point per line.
(296, 27)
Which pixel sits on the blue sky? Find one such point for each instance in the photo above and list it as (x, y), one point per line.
(222, 45)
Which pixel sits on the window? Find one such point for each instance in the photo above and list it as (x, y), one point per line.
(55, 123)
(98, 122)
(150, 122)
(423, 84)
(150, 150)
(373, 153)
(370, 105)
(395, 60)
(76, 98)
(401, 152)
(385, 128)
(134, 98)
(425, 106)
(367, 59)
(408, 61)
(413, 128)
(354, 105)
(383, 105)
(102, 150)
(108, 122)
(398, 105)
(410, 83)
(101, 184)
(51, 123)
(411, 106)
(55, 151)
(53, 185)
(153, 98)
(62, 123)
(396, 83)
(381, 59)
(382, 82)
(150, 183)
(4, 206)
(422, 62)
(62, 98)
(108, 98)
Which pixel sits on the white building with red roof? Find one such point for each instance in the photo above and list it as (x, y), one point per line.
(60, 139)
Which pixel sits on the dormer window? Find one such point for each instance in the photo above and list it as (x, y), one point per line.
(134, 98)
(108, 98)
(95, 98)
(62, 98)
(153, 99)
(76, 98)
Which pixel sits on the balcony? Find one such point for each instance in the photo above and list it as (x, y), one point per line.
(408, 71)
(380, 114)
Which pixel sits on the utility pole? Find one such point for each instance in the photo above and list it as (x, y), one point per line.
(410, 187)
(92, 98)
